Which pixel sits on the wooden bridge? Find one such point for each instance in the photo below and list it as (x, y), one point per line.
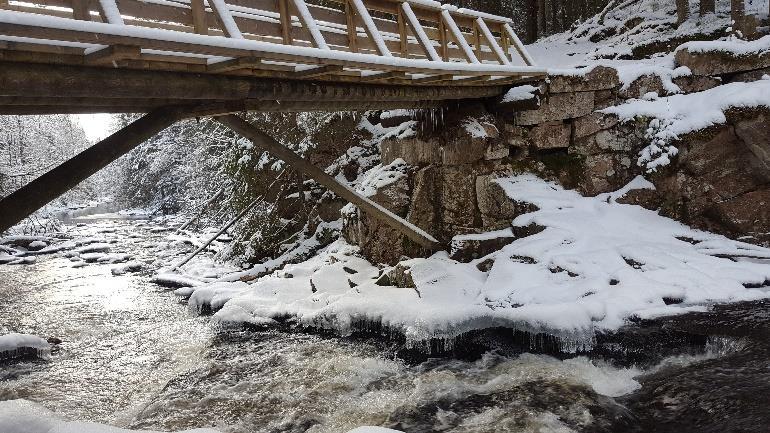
(176, 59)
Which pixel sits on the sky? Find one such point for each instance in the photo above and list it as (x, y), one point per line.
(96, 126)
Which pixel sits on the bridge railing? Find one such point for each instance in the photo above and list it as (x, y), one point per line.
(386, 41)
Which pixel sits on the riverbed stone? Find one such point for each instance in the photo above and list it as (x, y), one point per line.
(559, 106)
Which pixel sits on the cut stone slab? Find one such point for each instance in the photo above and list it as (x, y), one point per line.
(560, 106)
(696, 83)
(593, 123)
(642, 86)
(551, 136)
(599, 78)
(721, 62)
(414, 151)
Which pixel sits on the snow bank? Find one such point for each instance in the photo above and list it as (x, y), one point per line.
(596, 264)
(674, 116)
(735, 47)
(520, 93)
(13, 341)
(22, 416)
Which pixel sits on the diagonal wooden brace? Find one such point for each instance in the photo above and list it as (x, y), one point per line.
(33, 196)
(269, 144)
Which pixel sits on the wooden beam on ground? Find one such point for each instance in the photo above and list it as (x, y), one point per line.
(267, 143)
(234, 64)
(317, 72)
(112, 54)
(31, 197)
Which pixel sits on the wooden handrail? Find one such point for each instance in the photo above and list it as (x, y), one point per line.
(417, 31)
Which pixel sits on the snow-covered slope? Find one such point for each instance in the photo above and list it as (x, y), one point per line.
(596, 264)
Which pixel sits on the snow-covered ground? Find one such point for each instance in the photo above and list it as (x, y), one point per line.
(596, 264)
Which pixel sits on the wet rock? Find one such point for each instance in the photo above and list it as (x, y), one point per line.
(559, 106)
(599, 78)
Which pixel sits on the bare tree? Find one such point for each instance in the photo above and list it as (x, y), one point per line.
(682, 11)
(707, 7)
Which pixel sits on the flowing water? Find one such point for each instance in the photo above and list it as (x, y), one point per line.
(133, 355)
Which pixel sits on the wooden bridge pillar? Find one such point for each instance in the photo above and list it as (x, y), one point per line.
(33, 196)
(269, 144)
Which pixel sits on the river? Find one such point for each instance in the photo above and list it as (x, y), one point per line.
(133, 355)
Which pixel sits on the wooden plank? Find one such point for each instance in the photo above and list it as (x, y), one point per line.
(350, 24)
(113, 53)
(504, 42)
(269, 144)
(200, 23)
(414, 23)
(234, 64)
(434, 79)
(31, 197)
(317, 72)
(225, 19)
(385, 76)
(371, 28)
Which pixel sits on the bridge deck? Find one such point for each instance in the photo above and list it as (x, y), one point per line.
(386, 42)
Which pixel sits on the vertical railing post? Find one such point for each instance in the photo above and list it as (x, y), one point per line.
(403, 34)
(80, 9)
(350, 17)
(200, 24)
(444, 43)
(285, 16)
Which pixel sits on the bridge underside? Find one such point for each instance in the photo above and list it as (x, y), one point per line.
(31, 88)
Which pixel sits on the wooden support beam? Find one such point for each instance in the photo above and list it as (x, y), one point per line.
(505, 43)
(112, 54)
(443, 40)
(57, 81)
(267, 143)
(200, 22)
(3, 4)
(31, 197)
(518, 45)
(234, 64)
(317, 72)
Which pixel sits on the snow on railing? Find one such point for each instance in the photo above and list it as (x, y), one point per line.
(401, 41)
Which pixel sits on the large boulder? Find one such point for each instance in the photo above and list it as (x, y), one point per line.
(598, 78)
(561, 106)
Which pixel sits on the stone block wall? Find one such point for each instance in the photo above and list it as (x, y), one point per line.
(558, 133)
